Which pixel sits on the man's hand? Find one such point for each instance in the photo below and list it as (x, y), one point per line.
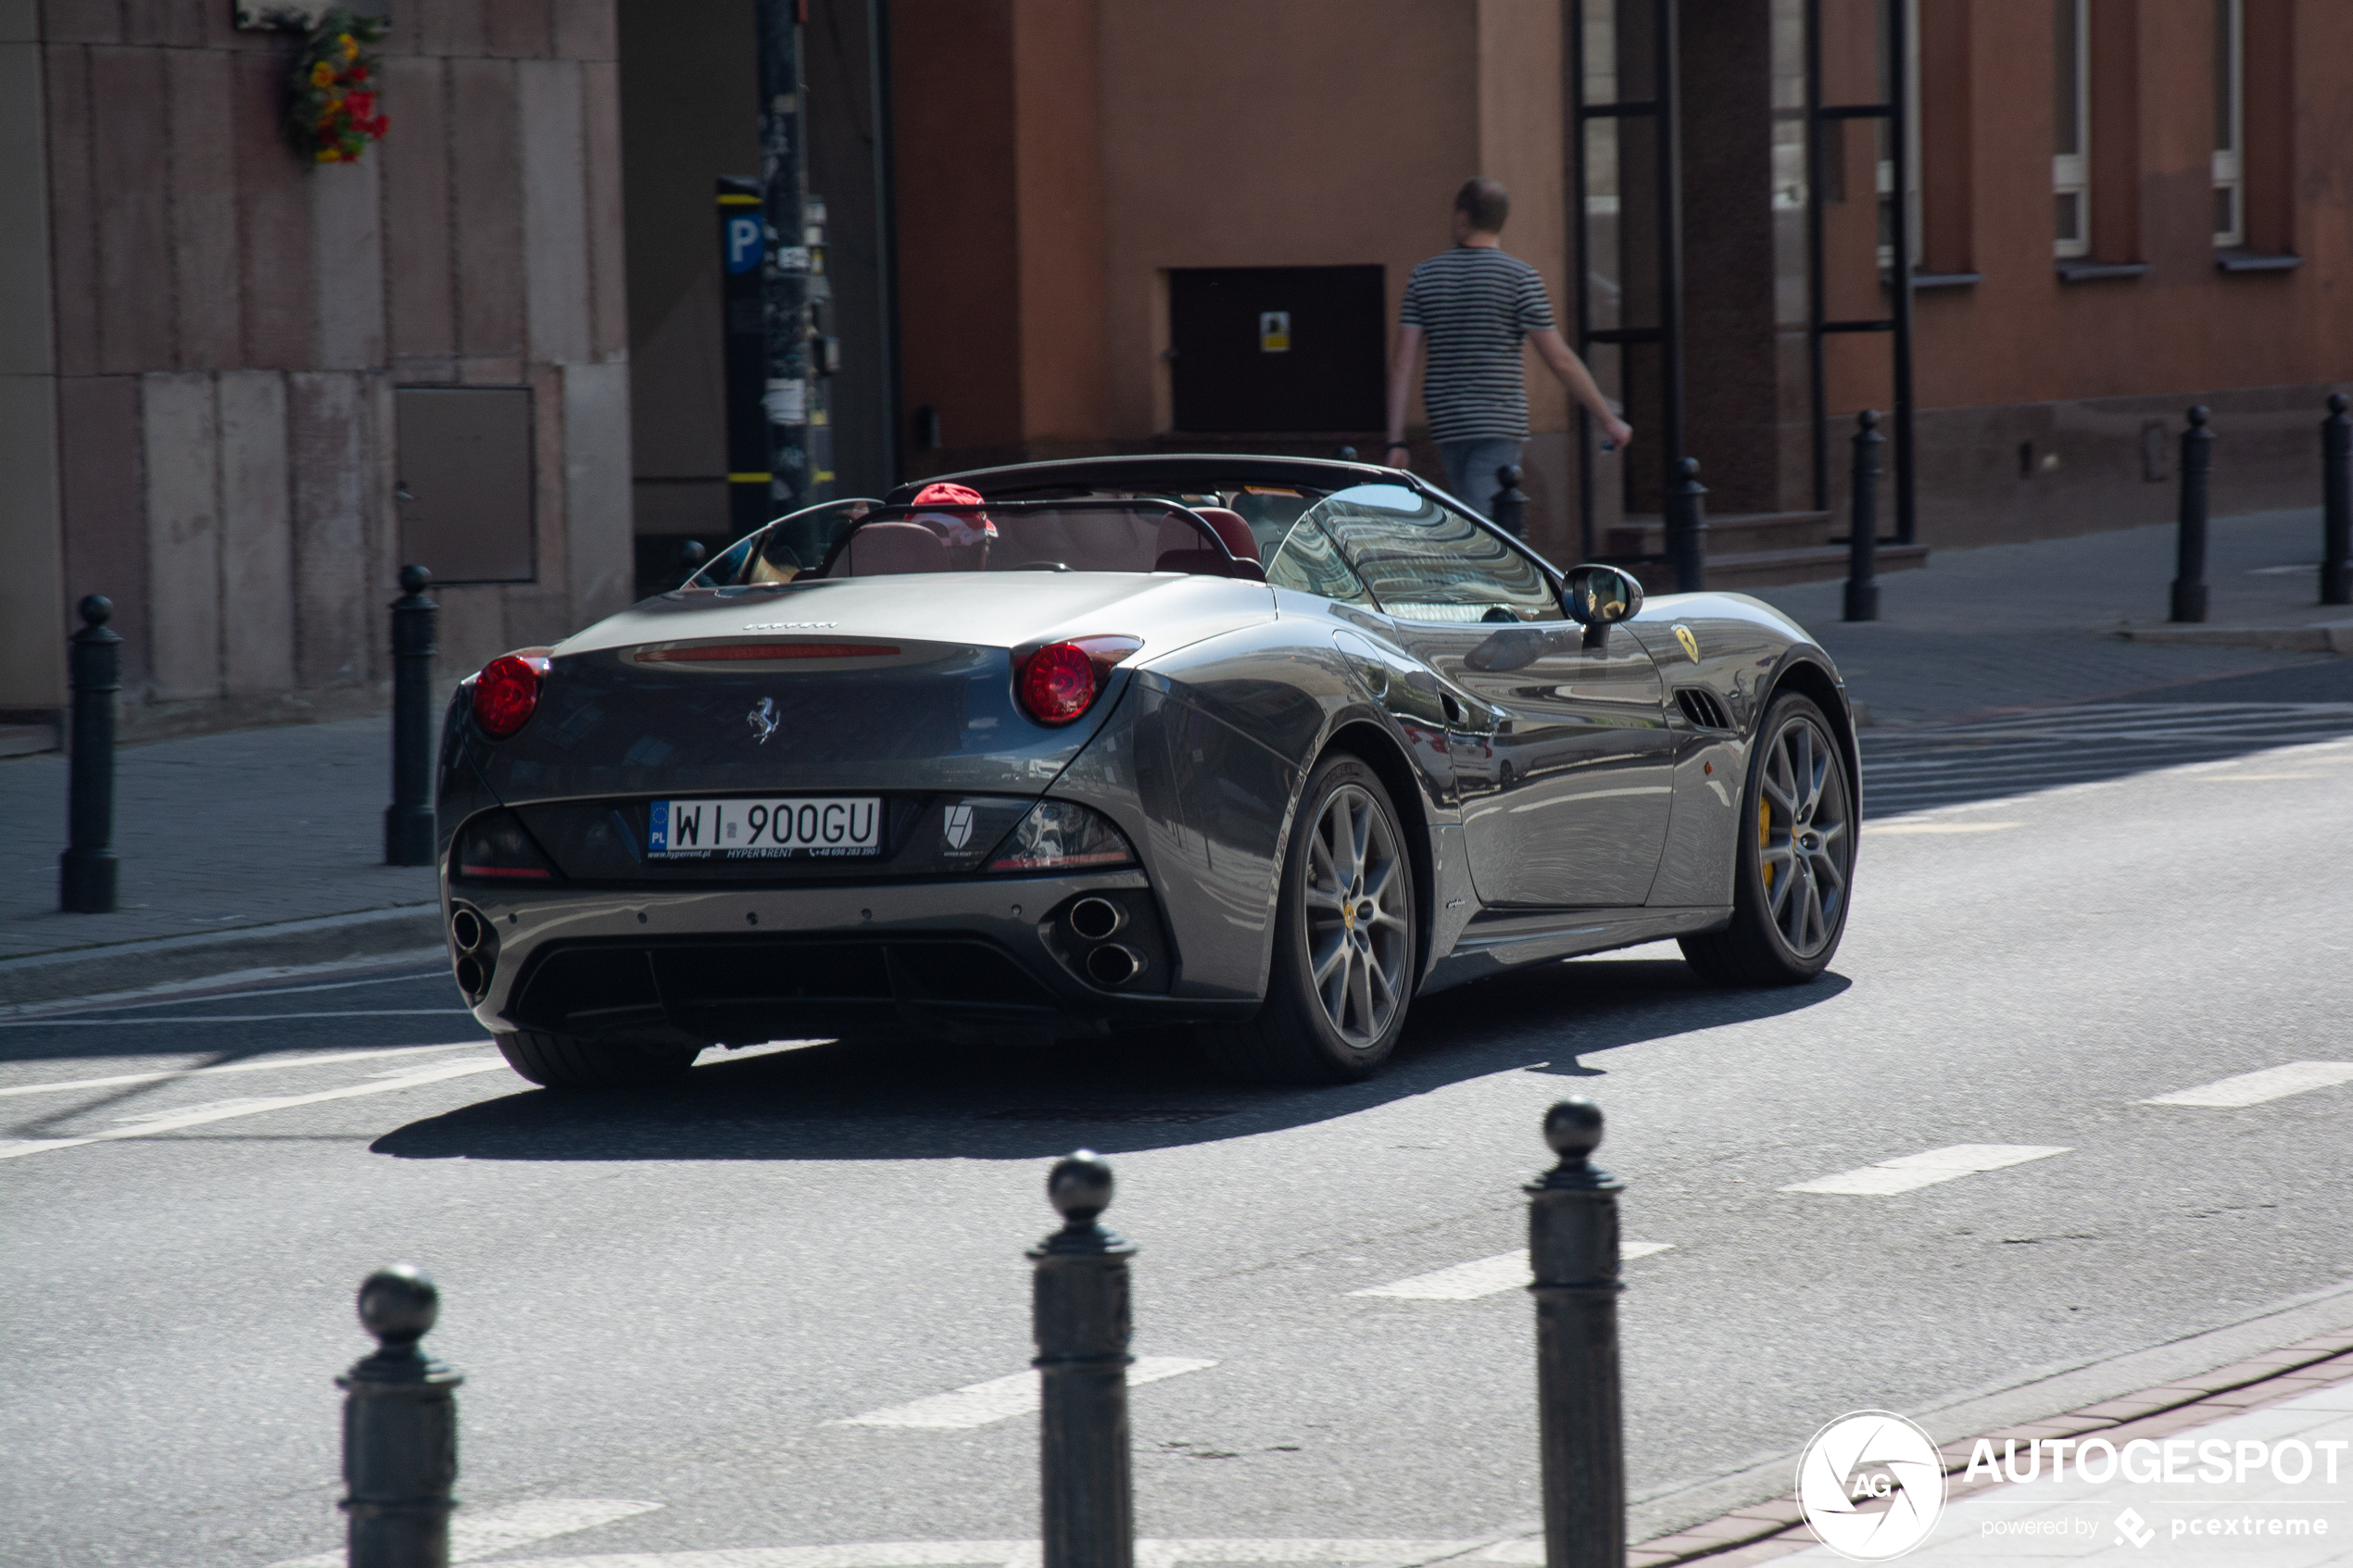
(1617, 432)
(1397, 455)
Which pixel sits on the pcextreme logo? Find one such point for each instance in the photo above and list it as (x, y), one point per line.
(1871, 1486)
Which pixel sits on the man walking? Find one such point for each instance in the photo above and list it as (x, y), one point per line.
(1475, 303)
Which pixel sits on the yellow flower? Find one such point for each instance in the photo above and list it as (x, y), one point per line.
(322, 75)
(350, 49)
(329, 155)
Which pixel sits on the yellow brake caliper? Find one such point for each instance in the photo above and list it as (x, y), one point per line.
(1764, 832)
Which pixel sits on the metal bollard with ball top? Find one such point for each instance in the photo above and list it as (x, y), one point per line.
(408, 829)
(1509, 506)
(1572, 1249)
(1079, 1313)
(2189, 542)
(86, 871)
(400, 1429)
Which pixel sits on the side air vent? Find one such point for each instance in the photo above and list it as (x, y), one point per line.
(1702, 707)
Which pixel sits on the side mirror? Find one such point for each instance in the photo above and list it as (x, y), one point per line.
(1600, 596)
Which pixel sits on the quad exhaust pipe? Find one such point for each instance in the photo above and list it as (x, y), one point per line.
(477, 947)
(1096, 920)
(1112, 966)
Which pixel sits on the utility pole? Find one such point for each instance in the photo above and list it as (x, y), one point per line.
(788, 394)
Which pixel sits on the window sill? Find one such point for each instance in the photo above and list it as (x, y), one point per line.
(2237, 258)
(2093, 271)
(1945, 280)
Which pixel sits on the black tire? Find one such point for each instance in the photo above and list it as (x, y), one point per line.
(1777, 941)
(562, 1061)
(1295, 1037)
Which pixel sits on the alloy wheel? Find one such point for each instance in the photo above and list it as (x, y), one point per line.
(1804, 836)
(1358, 929)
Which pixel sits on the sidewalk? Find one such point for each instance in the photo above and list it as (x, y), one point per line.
(257, 849)
(263, 848)
(2015, 625)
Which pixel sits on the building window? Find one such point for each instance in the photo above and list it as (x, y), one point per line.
(1885, 164)
(2071, 152)
(2230, 123)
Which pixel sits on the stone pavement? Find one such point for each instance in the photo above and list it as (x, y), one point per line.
(2021, 625)
(263, 848)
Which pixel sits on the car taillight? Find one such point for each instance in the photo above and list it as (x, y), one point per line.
(505, 694)
(1059, 682)
(497, 845)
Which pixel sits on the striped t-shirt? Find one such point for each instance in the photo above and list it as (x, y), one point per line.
(1475, 303)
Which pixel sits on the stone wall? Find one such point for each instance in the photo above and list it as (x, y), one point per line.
(221, 328)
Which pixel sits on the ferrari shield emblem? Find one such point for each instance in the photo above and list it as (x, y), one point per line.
(1690, 644)
(958, 826)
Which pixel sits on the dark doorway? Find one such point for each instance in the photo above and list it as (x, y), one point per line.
(1277, 348)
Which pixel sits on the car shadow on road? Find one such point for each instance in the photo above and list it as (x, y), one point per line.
(849, 1100)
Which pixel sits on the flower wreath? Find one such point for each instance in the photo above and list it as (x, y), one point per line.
(332, 116)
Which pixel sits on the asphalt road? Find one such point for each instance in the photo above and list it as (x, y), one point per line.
(676, 1300)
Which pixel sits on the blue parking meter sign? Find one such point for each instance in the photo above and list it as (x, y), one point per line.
(744, 241)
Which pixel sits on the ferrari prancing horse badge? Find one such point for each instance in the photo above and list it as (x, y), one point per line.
(1690, 644)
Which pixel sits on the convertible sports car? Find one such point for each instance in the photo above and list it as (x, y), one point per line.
(1263, 747)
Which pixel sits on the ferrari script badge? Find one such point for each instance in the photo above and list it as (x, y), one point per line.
(763, 720)
(1690, 644)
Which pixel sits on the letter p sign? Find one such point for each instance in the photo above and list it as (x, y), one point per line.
(743, 242)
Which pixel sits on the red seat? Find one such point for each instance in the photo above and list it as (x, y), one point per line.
(1176, 534)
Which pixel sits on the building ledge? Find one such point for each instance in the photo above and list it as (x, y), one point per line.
(2093, 271)
(1945, 280)
(2237, 258)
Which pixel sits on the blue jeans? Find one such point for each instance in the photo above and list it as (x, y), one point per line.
(1471, 463)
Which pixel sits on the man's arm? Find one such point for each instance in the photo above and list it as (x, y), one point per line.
(1580, 382)
(1400, 385)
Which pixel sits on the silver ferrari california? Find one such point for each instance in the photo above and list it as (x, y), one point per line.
(1262, 747)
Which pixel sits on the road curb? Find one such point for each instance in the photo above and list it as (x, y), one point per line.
(1773, 1528)
(2335, 637)
(115, 966)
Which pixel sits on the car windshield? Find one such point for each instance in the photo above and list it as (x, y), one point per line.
(868, 539)
(1424, 561)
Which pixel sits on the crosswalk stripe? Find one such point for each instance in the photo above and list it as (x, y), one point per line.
(1001, 1398)
(16, 1148)
(1487, 1276)
(474, 1536)
(1913, 1170)
(2254, 1088)
(162, 1073)
(1375, 1553)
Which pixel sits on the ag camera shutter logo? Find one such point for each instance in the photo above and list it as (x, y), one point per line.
(1871, 1486)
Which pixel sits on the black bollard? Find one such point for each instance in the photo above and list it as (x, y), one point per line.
(86, 871)
(399, 1430)
(1079, 1315)
(1862, 539)
(1508, 509)
(1572, 1249)
(1687, 527)
(690, 557)
(2336, 504)
(2189, 549)
(1347, 454)
(408, 819)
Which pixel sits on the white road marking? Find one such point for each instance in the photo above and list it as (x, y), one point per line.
(163, 1073)
(1926, 1169)
(1001, 1398)
(1875, 829)
(14, 1149)
(1487, 1276)
(2254, 1088)
(503, 1529)
(224, 1018)
(1365, 1553)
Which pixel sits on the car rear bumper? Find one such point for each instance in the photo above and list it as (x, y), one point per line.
(973, 959)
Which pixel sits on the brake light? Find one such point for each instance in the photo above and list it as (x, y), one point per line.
(506, 693)
(710, 653)
(1060, 682)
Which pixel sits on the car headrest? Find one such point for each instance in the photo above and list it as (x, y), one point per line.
(883, 550)
(1178, 533)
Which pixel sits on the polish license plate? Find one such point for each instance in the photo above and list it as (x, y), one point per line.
(789, 828)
